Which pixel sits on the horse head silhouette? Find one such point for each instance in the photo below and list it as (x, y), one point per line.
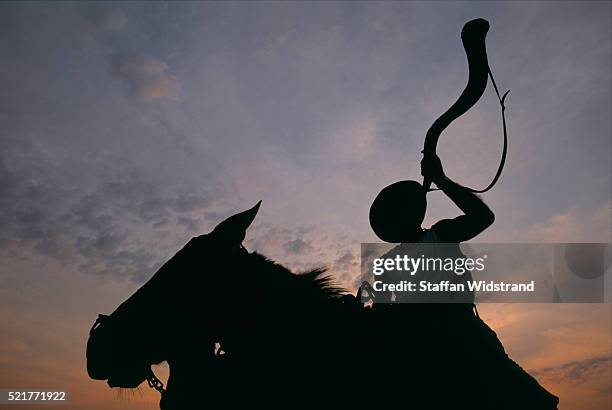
(142, 329)
(212, 295)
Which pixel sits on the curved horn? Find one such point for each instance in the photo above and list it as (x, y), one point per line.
(473, 37)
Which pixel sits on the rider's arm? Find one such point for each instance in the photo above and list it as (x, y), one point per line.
(477, 215)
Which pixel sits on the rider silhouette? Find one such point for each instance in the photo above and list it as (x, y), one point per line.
(396, 216)
(398, 211)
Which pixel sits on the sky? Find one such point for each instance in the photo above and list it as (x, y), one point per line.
(128, 128)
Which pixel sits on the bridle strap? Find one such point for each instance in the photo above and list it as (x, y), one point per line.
(100, 319)
(155, 383)
(152, 380)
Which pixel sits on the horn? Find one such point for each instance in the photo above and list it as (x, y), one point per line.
(233, 229)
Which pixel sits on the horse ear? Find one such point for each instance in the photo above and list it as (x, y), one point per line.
(233, 229)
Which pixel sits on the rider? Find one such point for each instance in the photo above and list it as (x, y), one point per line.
(399, 209)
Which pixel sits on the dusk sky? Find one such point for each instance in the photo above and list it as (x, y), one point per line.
(128, 128)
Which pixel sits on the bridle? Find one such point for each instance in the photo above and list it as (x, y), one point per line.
(156, 384)
(152, 380)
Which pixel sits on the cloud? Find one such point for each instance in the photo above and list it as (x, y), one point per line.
(579, 371)
(297, 245)
(115, 227)
(565, 346)
(570, 226)
(147, 78)
(346, 261)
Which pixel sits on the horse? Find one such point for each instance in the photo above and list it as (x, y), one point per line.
(240, 331)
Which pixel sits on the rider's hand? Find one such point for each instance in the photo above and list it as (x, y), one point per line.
(431, 168)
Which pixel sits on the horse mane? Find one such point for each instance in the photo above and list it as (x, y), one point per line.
(324, 282)
(315, 281)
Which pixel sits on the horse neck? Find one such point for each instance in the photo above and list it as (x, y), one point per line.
(192, 372)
